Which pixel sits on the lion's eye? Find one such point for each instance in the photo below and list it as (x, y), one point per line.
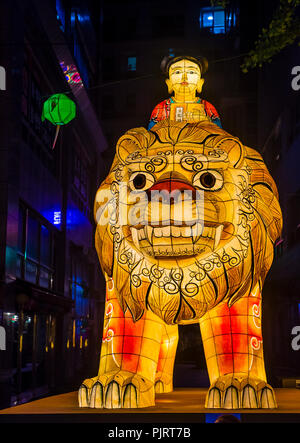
(140, 181)
(209, 180)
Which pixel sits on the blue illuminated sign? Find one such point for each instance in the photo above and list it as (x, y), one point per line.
(57, 217)
(74, 217)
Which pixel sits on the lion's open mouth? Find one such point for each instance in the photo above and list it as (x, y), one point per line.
(177, 241)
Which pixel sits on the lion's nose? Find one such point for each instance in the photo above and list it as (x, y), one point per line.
(172, 185)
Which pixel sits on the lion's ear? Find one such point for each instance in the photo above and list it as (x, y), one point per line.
(234, 148)
(133, 140)
(125, 146)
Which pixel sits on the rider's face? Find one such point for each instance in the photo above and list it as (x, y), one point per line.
(184, 77)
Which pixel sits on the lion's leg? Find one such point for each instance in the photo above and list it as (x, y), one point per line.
(128, 361)
(233, 348)
(165, 366)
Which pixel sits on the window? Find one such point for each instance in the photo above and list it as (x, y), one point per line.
(217, 20)
(81, 183)
(108, 106)
(80, 284)
(110, 29)
(36, 134)
(80, 176)
(35, 262)
(130, 103)
(61, 15)
(168, 26)
(131, 64)
(33, 95)
(27, 354)
(171, 52)
(32, 105)
(81, 61)
(109, 71)
(127, 29)
(79, 54)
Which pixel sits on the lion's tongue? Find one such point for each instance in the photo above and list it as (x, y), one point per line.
(172, 185)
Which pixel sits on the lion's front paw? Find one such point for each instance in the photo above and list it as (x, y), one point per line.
(120, 389)
(234, 391)
(163, 384)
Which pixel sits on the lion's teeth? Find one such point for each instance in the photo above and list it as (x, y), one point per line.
(157, 232)
(205, 232)
(175, 231)
(141, 234)
(218, 234)
(186, 232)
(166, 231)
(197, 230)
(149, 232)
(179, 231)
(208, 232)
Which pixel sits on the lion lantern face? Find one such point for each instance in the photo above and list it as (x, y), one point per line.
(186, 222)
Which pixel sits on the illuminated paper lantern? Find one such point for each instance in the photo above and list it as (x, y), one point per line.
(196, 259)
(184, 80)
(59, 110)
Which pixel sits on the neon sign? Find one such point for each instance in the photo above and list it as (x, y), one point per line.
(71, 74)
(57, 217)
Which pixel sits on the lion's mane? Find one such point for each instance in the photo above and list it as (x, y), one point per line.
(183, 293)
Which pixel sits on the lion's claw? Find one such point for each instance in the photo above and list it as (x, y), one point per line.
(83, 396)
(96, 398)
(116, 390)
(240, 392)
(130, 399)
(163, 384)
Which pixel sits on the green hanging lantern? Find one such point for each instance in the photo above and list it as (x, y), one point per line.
(59, 110)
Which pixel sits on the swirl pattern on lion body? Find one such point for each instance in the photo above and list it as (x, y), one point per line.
(181, 276)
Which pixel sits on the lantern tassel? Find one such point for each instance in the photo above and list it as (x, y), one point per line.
(56, 135)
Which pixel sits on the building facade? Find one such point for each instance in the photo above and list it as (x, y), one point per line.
(52, 291)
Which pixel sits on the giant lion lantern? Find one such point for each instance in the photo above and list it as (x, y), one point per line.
(186, 223)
